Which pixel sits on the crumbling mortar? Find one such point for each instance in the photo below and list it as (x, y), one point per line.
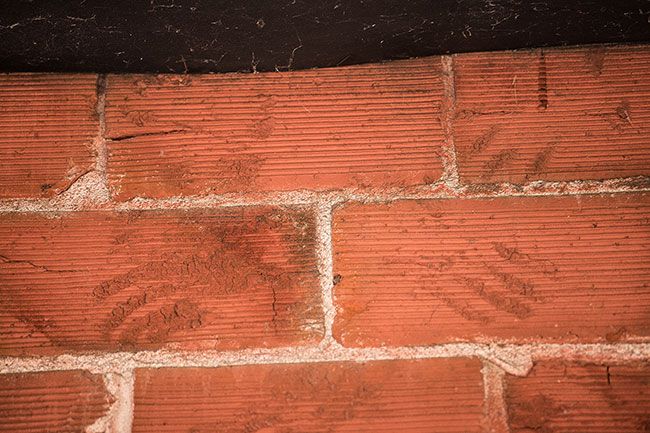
(119, 416)
(495, 413)
(498, 360)
(76, 198)
(448, 151)
(516, 359)
(325, 266)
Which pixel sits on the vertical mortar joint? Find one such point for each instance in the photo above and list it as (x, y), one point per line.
(119, 416)
(495, 411)
(448, 108)
(323, 209)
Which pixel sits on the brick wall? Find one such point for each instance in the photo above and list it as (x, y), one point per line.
(448, 244)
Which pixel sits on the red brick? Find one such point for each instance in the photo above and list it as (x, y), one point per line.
(361, 126)
(443, 395)
(60, 401)
(145, 280)
(47, 126)
(558, 114)
(550, 269)
(561, 397)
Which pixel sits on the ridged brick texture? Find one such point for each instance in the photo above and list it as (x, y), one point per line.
(387, 396)
(62, 401)
(151, 279)
(563, 397)
(567, 269)
(360, 126)
(447, 244)
(553, 114)
(47, 127)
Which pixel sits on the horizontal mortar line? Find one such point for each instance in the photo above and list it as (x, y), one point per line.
(440, 190)
(513, 358)
(185, 204)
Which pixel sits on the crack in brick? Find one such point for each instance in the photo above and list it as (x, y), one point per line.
(6, 259)
(148, 134)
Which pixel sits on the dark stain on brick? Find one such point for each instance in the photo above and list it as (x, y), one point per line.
(501, 302)
(139, 117)
(595, 58)
(512, 254)
(512, 282)
(146, 83)
(222, 263)
(236, 172)
(158, 326)
(623, 118)
(484, 140)
(541, 159)
(616, 336)
(459, 306)
(498, 162)
(535, 414)
(162, 298)
(509, 253)
(262, 129)
(644, 424)
(542, 82)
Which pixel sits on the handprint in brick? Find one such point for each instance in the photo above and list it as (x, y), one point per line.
(498, 274)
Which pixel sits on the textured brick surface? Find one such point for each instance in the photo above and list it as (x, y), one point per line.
(565, 269)
(561, 397)
(53, 402)
(553, 114)
(47, 126)
(387, 396)
(361, 126)
(135, 280)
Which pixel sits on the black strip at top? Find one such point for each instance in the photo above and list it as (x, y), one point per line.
(240, 35)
